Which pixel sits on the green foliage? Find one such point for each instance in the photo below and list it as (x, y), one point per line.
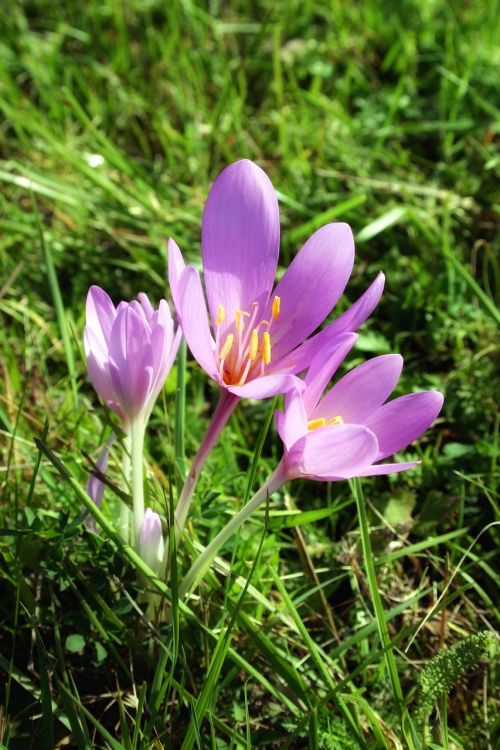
(444, 670)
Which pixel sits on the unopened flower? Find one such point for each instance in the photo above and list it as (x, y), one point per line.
(130, 350)
(348, 431)
(151, 545)
(95, 486)
(254, 340)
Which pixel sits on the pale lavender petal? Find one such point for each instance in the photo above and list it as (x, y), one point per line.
(362, 390)
(266, 386)
(176, 266)
(192, 313)
(354, 316)
(100, 315)
(360, 310)
(312, 284)
(240, 238)
(140, 310)
(146, 305)
(131, 360)
(401, 421)
(151, 545)
(95, 487)
(293, 426)
(336, 451)
(324, 365)
(378, 469)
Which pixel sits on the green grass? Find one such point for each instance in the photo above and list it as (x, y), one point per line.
(116, 116)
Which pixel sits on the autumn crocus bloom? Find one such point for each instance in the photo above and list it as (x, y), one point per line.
(130, 350)
(316, 429)
(254, 339)
(95, 486)
(340, 436)
(151, 545)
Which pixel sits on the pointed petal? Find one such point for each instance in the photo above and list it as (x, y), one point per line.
(401, 421)
(131, 360)
(100, 315)
(312, 285)
(324, 365)
(378, 469)
(240, 238)
(146, 305)
(299, 359)
(294, 422)
(192, 313)
(176, 266)
(266, 386)
(328, 453)
(362, 390)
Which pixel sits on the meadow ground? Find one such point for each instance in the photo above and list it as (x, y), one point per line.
(116, 117)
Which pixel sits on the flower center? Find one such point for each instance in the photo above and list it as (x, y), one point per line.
(313, 424)
(245, 352)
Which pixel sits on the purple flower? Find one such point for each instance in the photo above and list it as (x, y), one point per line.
(151, 546)
(95, 487)
(254, 339)
(130, 350)
(352, 428)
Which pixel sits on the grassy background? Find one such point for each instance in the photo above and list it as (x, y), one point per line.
(116, 117)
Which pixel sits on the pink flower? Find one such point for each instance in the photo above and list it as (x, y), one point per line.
(130, 350)
(151, 545)
(348, 431)
(255, 339)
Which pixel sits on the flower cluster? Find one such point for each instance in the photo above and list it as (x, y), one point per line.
(255, 340)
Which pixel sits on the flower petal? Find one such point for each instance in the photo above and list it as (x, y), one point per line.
(399, 422)
(192, 313)
(240, 239)
(131, 360)
(293, 425)
(312, 284)
(324, 365)
(378, 469)
(266, 386)
(329, 453)
(176, 266)
(100, 315)
(353, 317)
(362, 390)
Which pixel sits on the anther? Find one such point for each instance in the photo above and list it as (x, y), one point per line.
(313, 424)
(275, 308)
(227, 346)
(266, 348)
(336, 420)
(254, 345)
(221, 314)
(237, 320)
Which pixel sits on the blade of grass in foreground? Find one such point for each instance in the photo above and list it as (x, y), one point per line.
(380, 617)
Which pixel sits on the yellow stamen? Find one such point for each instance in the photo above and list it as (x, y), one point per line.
(266, 347)
(336, 420)
(227, 346)
(275, 308)
(237, 320)
(254, 345)
(221, 314)
(313, 424)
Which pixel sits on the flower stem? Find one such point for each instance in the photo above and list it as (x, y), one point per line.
(277, 478)
(137, 449)
(124, 510)
(224, 409)
(379, 611)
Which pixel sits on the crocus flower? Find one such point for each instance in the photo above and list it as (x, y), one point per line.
(130, 350)
(255, 339)
(341, 435)
(95, 487)
(151, 546)
(352, 428)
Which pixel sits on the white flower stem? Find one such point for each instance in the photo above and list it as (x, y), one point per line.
(137, 431)
(277, 478)
(124, 510)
